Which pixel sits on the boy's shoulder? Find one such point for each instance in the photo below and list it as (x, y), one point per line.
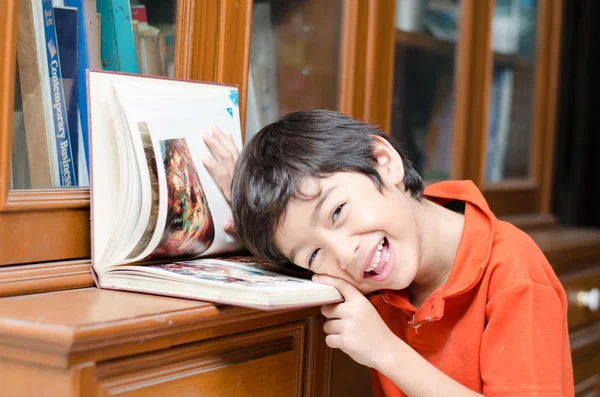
(516, 259)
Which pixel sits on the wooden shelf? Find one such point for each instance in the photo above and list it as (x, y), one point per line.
(427, 42)
(424, 41)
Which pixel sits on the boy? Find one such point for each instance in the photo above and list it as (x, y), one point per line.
(463, 304)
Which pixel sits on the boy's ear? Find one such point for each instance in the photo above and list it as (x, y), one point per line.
(389, 163)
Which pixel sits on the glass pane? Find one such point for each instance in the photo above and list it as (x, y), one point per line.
(55, 46)
(294, 58)
(423, 92)
(511, 94)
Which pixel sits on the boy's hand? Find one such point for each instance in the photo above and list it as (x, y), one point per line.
(354, 326)
(222, 164)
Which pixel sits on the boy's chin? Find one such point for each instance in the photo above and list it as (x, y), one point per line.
(366, 290)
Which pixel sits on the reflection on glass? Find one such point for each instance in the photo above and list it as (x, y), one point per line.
(294, 58)
(19, 163)
(511, 94)
(423, 92)
(55, 46)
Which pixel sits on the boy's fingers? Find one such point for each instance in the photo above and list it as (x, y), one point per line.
(229, 226)
(226, 141)
(332, 311)
(219, 175)
(345, 288)
(333, 341)
(221, 151)
(332, 327)
(214, 168)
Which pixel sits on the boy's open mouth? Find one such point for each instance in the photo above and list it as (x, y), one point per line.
(379, 259)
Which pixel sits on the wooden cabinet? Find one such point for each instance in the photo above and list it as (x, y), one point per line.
(77, 343)
(440, 96)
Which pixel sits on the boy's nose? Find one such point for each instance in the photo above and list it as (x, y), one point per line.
(346, 252)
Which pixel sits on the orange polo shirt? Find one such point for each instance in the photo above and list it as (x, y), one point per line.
(499, 324)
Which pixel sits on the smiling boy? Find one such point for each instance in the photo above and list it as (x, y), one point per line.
(459, 303)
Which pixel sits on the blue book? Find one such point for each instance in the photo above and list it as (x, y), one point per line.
(117, 44)
(65, 21)
(83, 64)
(66, 165)
(492, 136)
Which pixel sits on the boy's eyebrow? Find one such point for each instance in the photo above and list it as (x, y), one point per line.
(313, 219)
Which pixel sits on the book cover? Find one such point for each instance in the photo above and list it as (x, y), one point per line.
(83, 63)
(157, 213)
(66, 166)
(36, 102)
(66, 25)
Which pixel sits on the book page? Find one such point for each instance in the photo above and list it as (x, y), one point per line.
(191, 206)
(137, 124)
(240, 281)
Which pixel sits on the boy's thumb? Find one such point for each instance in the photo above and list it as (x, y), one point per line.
(228, 225)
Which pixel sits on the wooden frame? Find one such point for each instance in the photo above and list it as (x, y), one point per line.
(367, 65)
(530, 195)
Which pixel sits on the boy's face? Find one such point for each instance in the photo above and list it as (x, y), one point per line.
(353, 231)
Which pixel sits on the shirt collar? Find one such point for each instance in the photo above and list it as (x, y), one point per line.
(473, 251)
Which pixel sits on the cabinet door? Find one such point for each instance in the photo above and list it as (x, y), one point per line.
(521, 63)
(44, 196)
(318, 54)
(428, 52)
(269, 362)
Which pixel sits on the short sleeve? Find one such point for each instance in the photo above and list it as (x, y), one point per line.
(524, 342)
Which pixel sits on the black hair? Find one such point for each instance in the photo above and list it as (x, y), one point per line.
(271, 168)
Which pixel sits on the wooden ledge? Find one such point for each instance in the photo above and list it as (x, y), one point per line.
(568, 248)
(44, 277)
(70, 327)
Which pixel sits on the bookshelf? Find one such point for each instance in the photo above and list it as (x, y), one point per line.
(430, 43)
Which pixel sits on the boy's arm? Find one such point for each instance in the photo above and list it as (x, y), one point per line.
(415, 376)
(356, 328)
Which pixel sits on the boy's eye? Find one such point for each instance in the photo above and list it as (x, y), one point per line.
(336, 213)
(312, 258)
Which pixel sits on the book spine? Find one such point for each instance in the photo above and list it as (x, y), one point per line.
(83, 64)
(117, 47)
(65, 25)
(66, 167)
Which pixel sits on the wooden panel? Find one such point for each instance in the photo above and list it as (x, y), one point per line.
(8, 43)
(44, 235)
(45, 277)
(589, 387)
(33, 380)
(585, 349)
(473, 74)
(581, 282)
(567, 248)
(233, 52)
(318, 360)
(367, 61)
(511, 198)
(348, 377)
(550, 118)
(263, 363)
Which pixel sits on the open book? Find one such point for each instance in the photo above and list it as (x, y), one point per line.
(157, 213)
